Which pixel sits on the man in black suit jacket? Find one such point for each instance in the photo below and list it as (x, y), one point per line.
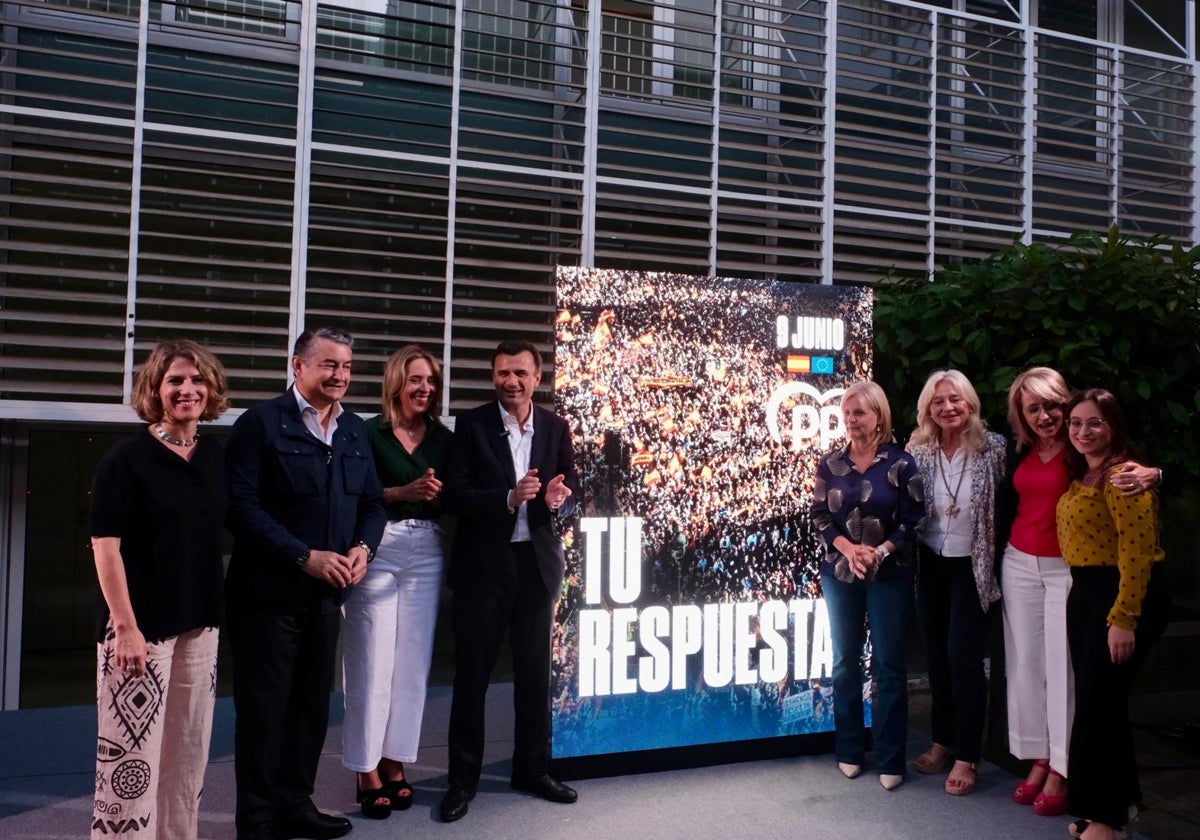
(514, 479)
(306, 511)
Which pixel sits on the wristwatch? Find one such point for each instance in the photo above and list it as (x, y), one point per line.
(370, 551)
(881, 552)
(301, 559)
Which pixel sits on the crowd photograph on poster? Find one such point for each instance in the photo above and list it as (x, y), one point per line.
(691, 610)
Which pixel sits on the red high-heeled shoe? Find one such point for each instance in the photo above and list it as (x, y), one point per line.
(1045, 805)
(1027, 793)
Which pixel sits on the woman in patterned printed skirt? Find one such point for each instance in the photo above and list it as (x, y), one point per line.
(158, 507)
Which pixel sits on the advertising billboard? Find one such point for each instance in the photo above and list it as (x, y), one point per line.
(691, 612)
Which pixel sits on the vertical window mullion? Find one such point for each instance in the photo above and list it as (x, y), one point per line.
(1116, 137)
(829, 142)
(934, 35)
(135, 200)
(452, 202)
(715, 138)
(1192, 49)
(1028, 105)
(302, 191)
(591, 130)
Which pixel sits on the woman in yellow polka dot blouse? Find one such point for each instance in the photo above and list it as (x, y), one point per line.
(1116, 609)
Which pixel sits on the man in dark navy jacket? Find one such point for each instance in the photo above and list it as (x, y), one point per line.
(513, 481)
(306, 511)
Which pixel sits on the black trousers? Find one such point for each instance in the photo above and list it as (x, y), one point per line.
(513, 598)
(1104, 781)
(282, 675)
(955, 627)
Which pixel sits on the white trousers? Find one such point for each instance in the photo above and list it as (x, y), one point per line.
(1041, 684)
(153, 737)
(388, 643)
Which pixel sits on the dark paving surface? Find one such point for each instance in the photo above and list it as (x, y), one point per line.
(1168, 759)
(46, 767)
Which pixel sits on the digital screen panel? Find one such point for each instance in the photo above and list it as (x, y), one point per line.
(691, 611)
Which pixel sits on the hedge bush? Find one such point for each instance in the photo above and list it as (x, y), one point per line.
(1113, 311)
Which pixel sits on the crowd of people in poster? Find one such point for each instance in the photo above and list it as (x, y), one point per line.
(667, 377)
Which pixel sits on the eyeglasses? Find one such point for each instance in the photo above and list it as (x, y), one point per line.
(1092, 423)
(1035, 409)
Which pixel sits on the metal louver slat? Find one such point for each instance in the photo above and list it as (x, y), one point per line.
(751, 138)
(66, 143)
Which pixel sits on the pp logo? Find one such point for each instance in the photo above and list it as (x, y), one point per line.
(811, 416)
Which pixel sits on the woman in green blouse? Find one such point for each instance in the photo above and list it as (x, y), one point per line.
(390, 614)
(1116, 609)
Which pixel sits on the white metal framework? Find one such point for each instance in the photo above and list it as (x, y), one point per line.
(235, 170)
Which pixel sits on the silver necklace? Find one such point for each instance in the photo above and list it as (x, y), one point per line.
(952, 510)
(174, 441)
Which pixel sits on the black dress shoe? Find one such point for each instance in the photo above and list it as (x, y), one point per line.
(454, 804)
(312, 826)
(547, 788)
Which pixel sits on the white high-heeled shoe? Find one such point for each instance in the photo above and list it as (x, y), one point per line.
(890, 781)
(849, 770)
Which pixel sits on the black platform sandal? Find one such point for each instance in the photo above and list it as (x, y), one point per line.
(400, 792)
(368, 800)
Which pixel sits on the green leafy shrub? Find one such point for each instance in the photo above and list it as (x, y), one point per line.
(1112, 311)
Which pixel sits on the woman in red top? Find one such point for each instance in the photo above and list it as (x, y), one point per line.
(1035, 583)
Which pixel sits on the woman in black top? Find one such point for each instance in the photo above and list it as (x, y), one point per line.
(158, 507)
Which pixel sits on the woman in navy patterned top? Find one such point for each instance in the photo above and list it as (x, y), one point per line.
(867, 504)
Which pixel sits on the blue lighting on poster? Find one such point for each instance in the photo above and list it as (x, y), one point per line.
(691, 613)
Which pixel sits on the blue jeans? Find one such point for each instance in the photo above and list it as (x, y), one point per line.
(886, 605)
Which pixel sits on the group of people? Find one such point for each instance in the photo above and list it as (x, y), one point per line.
(331, 516)
(1059, 527)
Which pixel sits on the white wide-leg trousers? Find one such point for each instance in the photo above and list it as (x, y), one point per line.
(388, 643)
(1041, 684)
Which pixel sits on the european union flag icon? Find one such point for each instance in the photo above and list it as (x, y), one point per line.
(822, 364)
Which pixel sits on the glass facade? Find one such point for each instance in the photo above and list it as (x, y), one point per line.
(235, 169)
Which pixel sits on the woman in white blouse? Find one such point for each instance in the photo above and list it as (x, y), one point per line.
(961, 464)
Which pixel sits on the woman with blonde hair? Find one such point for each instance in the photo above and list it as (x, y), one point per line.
(390, 614)
(158, 510)
(866, 508)
(961, 465)
(1036, 583)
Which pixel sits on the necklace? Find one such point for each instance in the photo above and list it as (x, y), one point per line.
(952, 510)
(409, 439)
(1046, 454)
(174, 441)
